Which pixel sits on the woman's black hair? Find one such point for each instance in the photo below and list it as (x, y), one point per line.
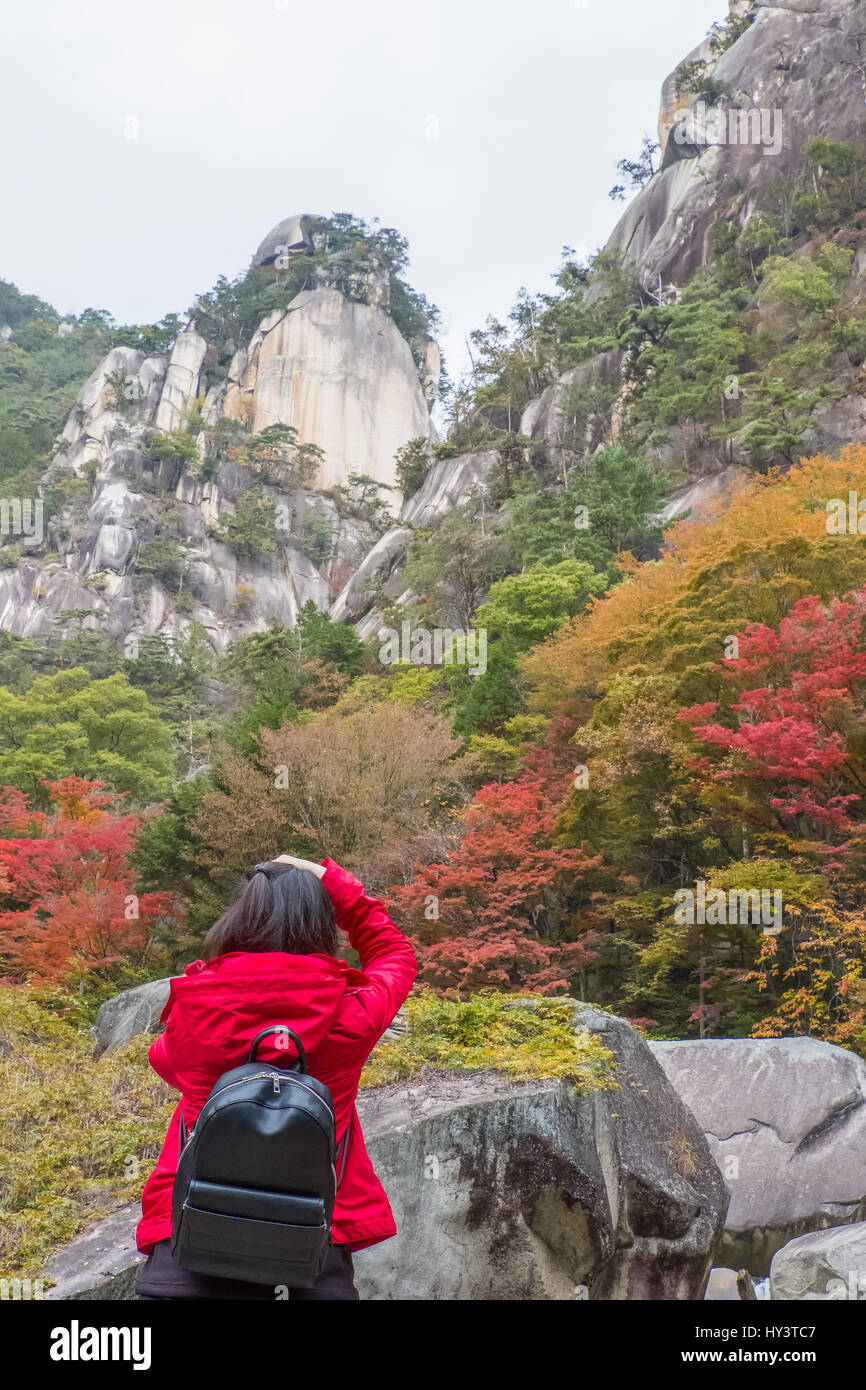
(279, 908)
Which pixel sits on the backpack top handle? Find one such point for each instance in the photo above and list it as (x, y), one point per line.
(281, 1028)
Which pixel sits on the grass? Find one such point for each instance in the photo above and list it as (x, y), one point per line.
(77, 1137)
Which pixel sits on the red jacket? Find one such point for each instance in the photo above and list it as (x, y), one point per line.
(215, 1010)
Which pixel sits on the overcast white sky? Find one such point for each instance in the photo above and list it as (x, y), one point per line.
(248, 112)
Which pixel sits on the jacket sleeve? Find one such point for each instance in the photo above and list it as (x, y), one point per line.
(160, 1060)
(387, 959)
(159, 1052)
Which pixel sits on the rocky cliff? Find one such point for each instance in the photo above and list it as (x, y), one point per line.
(795, 72)
(331, 366)
(736, 117)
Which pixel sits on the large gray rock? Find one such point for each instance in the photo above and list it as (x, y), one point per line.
(548, 419)
(785, 1120)
(722, 1286)
(528, 1191)
(825, 1265)
(133, 1011)
(291, 237)
(100, 1264)
(373, 572)
(506, 1190)
(706, 497)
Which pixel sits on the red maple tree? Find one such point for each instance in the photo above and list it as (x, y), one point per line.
(795, 743)
(509, 909)
(67, 890)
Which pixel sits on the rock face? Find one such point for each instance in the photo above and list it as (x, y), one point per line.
(826, 1265)
(331, 364)
(290, 237)
(449, 483)
(506, 1190)
(547, 418)
(134, 1011)
(785, 1120)
(376, 569)
(731, 138)
(705, 498)
(341, 374)
(796, 59)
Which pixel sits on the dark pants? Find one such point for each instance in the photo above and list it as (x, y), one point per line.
(161, 1279)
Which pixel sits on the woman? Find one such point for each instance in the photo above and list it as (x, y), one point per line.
(271, 959)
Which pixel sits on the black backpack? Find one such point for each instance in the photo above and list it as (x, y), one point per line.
(256, 1180)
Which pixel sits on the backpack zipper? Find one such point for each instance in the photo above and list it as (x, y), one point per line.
(273, 1076)
(259, 1076)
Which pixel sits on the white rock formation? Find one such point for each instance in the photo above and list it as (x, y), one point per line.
(335, 368)
(342, 375)
(356, 598)
(181, 380)
(706, 497)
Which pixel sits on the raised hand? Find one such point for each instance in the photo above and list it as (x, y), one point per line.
(317, 869)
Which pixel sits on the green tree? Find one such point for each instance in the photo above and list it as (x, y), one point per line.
(520, 612)
(164, 558)
(451, 567)
(69, 724)
(810, 286)
(277, 457)
(412, 464)
(526, 608)
(638, 171)
(250, 530)
(319, 638)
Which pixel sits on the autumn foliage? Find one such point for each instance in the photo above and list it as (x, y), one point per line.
(509, 908)
(786, 776)
(715, 701)
(67, 892)
(725, 740)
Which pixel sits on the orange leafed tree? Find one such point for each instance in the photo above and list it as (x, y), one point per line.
(773, 539)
